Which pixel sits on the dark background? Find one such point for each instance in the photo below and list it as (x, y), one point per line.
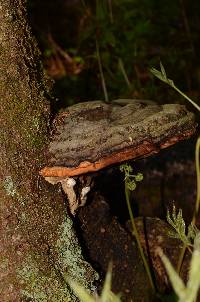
(104, 49)
(126, 37)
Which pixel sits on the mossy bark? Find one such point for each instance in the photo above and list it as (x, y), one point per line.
(37, 242)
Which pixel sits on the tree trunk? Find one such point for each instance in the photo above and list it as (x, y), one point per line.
(37, 242)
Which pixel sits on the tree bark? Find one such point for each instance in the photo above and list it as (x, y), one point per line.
(37, 241)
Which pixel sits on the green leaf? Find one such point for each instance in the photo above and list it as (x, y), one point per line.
(163, 72)
(189, 292)
(106, 296)
(131, 185)
(80, 291)
(130, 179)
(176, 281)
(161, 75)
(193, 283)
(197, 242)
(157, 74)
(139, 177)
(107, 285)
(192, 231)
(178, 223)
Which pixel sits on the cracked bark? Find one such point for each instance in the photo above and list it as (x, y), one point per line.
(36, 235)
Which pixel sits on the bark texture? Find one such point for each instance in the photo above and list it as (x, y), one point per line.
(37, 243)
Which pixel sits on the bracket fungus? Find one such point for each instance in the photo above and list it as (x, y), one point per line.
(93, 135)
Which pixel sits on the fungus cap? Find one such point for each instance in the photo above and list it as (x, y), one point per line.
(93, 135)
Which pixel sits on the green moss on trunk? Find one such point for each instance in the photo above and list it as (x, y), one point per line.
(33, 236)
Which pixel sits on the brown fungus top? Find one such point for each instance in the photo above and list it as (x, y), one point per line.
(94, 135)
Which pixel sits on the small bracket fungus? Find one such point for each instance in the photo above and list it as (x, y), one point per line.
(94, 135)
(68, 184)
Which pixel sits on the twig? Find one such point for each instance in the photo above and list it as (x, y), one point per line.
(187, 26)
(101, 73)
(121, 66)
(110, 11)
(63, 53)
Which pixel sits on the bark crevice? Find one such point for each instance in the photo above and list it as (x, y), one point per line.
(33, 215)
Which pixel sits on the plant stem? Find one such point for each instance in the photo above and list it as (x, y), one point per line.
(135, 232)
(162, 76)
(197, 149)
(186, 97)
(198, 179)
(182, 253)
(103, 82)
(180, 259)
(121, 66)
(110, 11)
(187, 25)
(183, 250)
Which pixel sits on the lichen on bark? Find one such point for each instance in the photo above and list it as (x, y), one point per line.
(44, 288)
(32, 212)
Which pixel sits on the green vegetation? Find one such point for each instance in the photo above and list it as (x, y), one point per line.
(189, 292)
(185, 293)
(130, 181)
(163, 77)
(91, 47)
(104, 51)
(106, 296)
